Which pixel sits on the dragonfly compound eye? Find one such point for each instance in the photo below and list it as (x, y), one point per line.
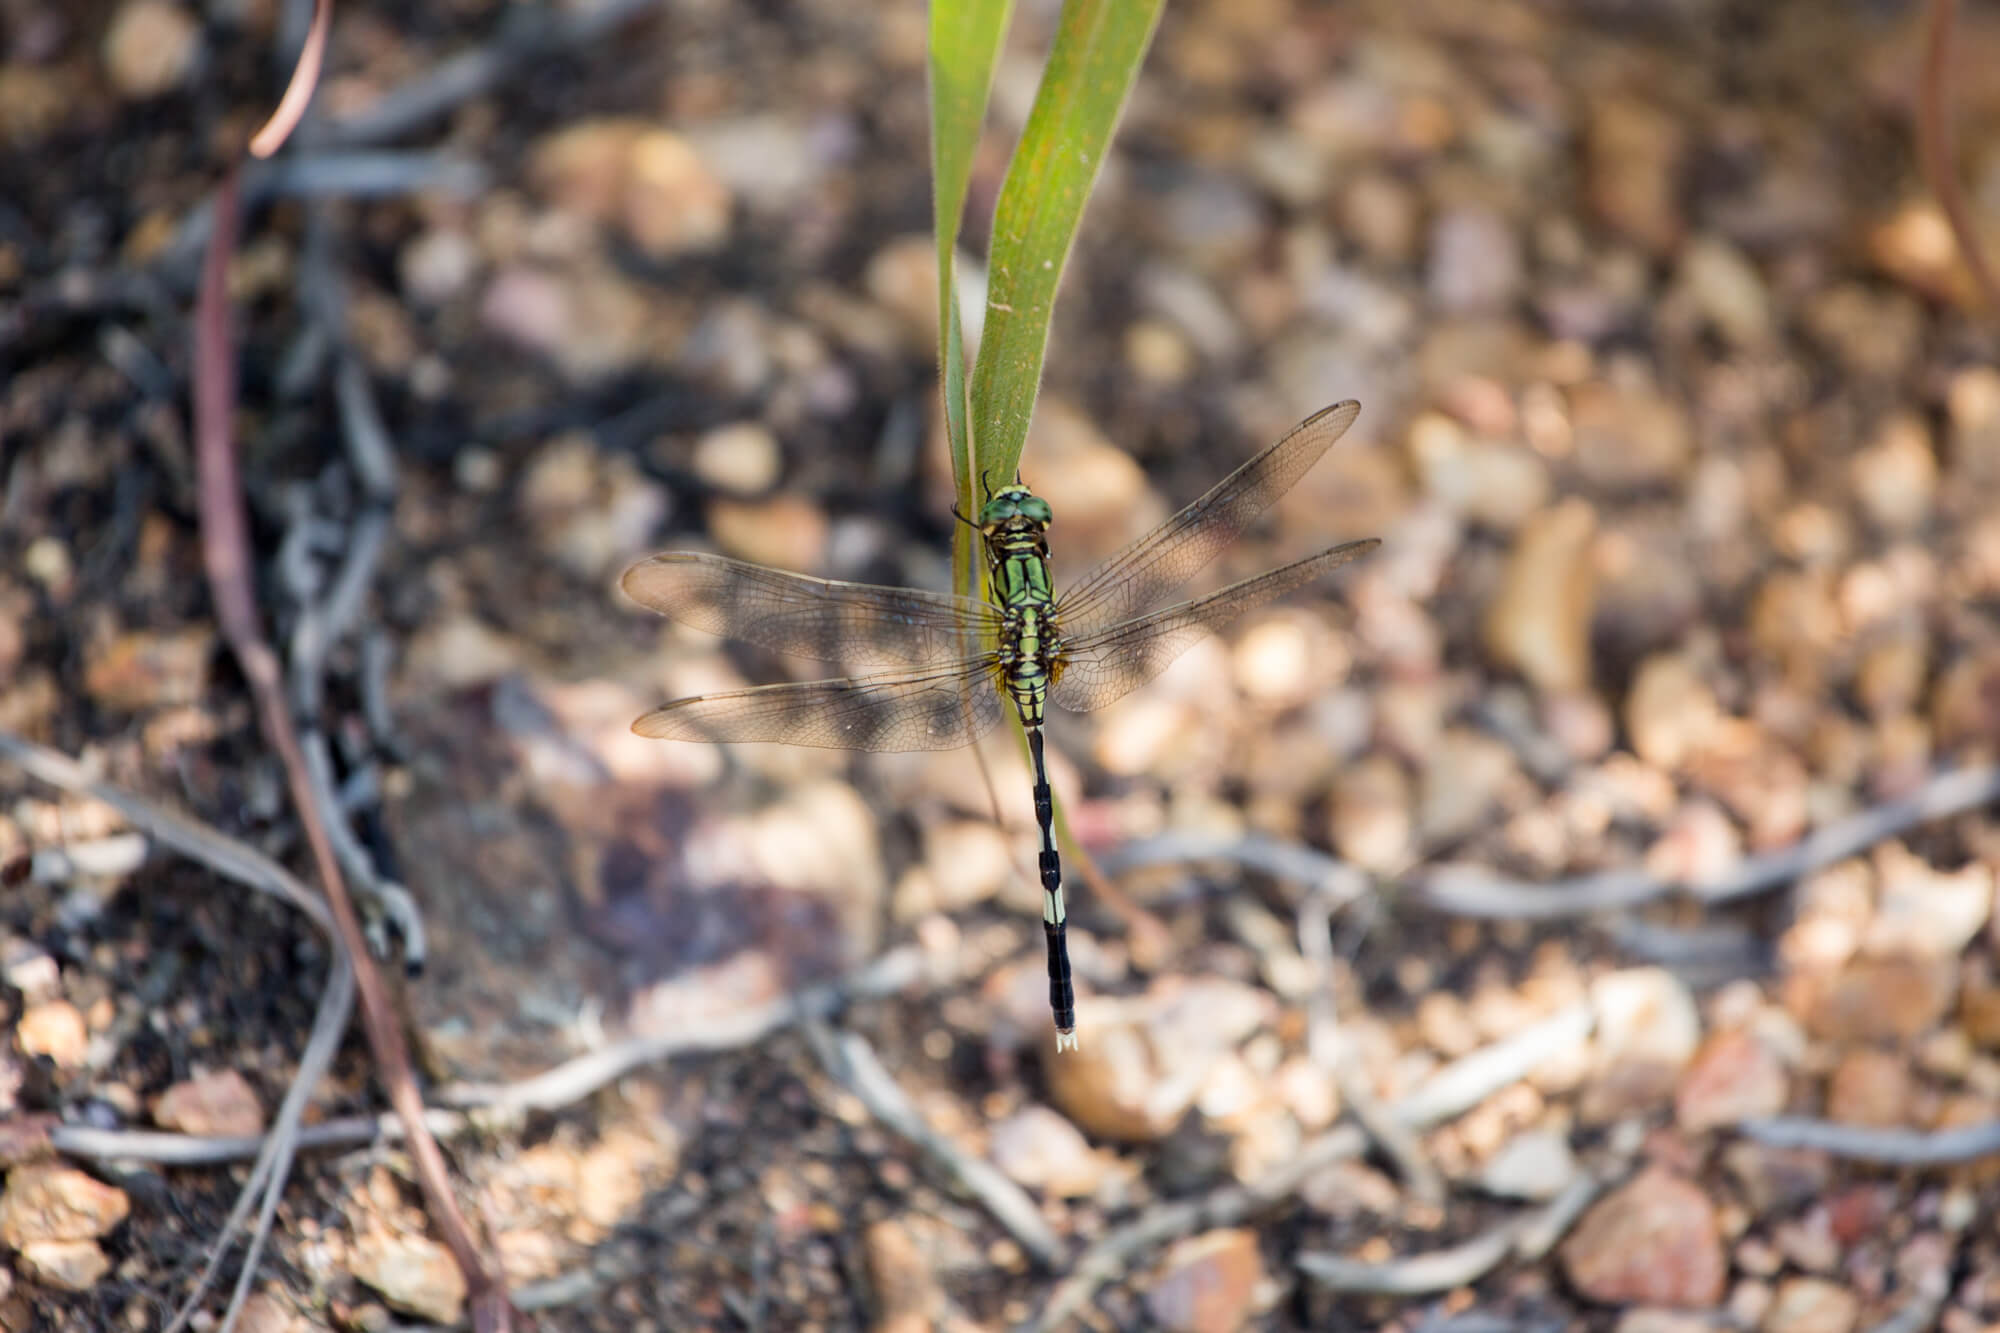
(1035, 509)
(998, 510)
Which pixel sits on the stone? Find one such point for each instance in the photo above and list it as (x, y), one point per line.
(1895, 479)
(1536, 1164)
(1670, 712)
(50, 1202)
(150, 48)
(1812, 1305)
(1652, 1241)
(1539, 621)
(1629, 437)
(1475, 262)
(413, 1273)
(1734, 1076)
(1207, 1283)
(1040, 1149)
(1647, 1030)
(1870, 1088)
(72, 1265)
(54, 1028)
(220, 1104)
(1633, 158)
(741, 458)
(1726, 292)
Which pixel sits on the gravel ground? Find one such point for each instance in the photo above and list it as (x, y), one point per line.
(1579, 913)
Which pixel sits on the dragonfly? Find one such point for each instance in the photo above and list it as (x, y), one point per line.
(944, 668)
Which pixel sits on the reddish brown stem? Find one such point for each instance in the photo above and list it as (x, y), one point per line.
(1936, 150)
(225, 545)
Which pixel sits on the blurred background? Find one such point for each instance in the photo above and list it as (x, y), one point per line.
(1680, 429)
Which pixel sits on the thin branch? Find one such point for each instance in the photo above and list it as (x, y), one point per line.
(1938, 152)
(526, 37)
(226, 555)
(291, 107)
(1879, 1147)
(1456, 1088)
(852, 1063)
(1459, 1266)
(1470, 892)
(578, 1078)
(1335, 1054)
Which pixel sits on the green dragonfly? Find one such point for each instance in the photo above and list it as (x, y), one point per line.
(950, 664)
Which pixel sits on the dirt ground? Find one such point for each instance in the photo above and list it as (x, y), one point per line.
(1650, 759)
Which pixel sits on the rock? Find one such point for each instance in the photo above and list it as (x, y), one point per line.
(221, 1104)
(614, 1174)
(785, 531)
(264, 1312)
(150, 48)
(1972, 405)
(1371, 815)
(413, 1273)
(902, 277)
(1111, 1087)
(1475, 262)
(1872, 334)
(592, 322)
(72, 1265)
(1647, 1031)
(54, 1028)
(1888, 998)
(741, 458)
(1499, 485)
(1536, 1165)
(1308, 1091)
(1734, 1076)
(771, 161)
(1895, 478)
(1699, 846)
(969, 861)
(1812, 1305)
(1207, 1283)
(1465, 776)
(906, 1290)
(1870, 1088)
(141, 669)
(1726, 292)
(438, 264)
(1041, 1150)
(1632, 165)
(1926, 913)
(1379, 213)
(1158, 353)
(1776, 1179)
(674, 203)
(1670, 712)
(48, 1202)
(460, 652)
(1915, 246)
(1653, 1241)
(1629, 437)
(1539, 620)
(1889, 681)
(1210, 219)
(1275, 663)
(589, 510)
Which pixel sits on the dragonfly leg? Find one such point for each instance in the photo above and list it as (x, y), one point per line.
(1055, 914)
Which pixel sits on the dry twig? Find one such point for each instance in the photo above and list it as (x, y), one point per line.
(226, 553)
(1936, 147)
(852, 1063)
(1878, 1147)
(1453, 1090)
(1459, 1266)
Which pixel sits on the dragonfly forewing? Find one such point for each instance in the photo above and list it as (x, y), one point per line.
(1138, 577)
(861, 624)
(1110, 664)
(936, 709)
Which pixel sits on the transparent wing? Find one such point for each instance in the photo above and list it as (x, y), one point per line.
(809, 617)
(1140, 575)
(939, 709)
(1111, 663)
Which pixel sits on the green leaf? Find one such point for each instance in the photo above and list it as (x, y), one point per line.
(964, 46)
(1090, 72)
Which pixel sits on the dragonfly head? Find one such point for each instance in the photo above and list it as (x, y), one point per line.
(1012, 509)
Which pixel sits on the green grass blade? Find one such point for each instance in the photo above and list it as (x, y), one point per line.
(964, 45)
(1091, 68)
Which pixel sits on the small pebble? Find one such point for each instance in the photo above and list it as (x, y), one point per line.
(219, 1104)
(1207, 1283)
(53, 1028)
(1539, 621)
(1653, 1241)
(741, 458)
(150, 48)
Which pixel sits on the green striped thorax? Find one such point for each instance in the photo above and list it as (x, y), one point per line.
(1014, 525)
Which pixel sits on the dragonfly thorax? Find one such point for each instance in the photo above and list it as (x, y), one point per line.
(1015, 509)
